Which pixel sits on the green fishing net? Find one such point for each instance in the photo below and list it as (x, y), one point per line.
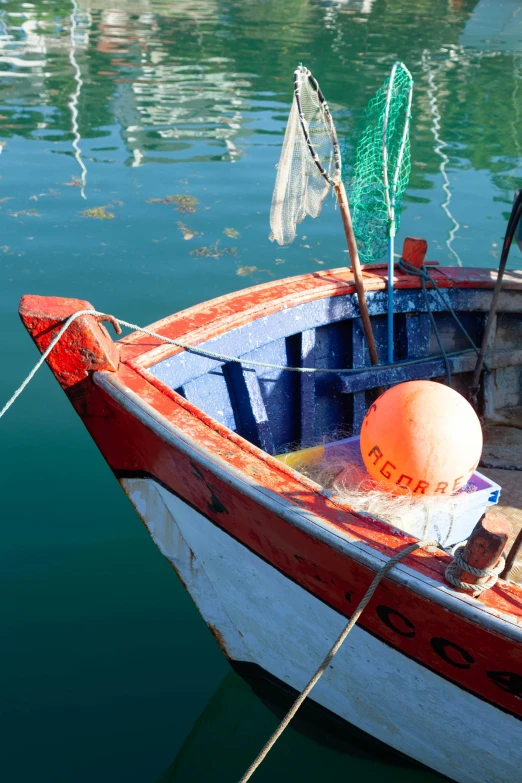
(384, 136)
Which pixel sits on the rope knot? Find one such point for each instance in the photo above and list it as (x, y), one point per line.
(488, 575)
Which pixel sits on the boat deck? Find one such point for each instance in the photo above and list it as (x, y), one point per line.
(502, 461)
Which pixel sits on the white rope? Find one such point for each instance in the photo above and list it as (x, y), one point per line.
(44, 356)
(390, 199)
(458, 564)
(336, 647)
(220, 357)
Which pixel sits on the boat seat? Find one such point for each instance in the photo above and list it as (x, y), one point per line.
(502, 462)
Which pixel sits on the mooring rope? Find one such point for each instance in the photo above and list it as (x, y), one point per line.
(201, 352)
(423, 274)
(44, 356)
(334, 650)
(458, 564)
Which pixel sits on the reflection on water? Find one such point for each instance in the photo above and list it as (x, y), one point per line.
(204, 80)
(78, 35)
(235, 723)
(165, 118)
(432, 73)
(494, 26)
(166, 104)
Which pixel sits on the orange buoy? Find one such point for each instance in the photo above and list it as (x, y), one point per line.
(421, 437)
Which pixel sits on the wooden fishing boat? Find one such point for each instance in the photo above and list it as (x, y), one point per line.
(274, 563)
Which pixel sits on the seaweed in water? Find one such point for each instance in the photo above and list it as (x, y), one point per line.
(99, 213)
(183, 202)
(29, 212)
(213, 251)
(74, 182)
(243, 271)
(188, 233)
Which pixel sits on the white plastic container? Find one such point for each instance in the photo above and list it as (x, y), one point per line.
(449, 522)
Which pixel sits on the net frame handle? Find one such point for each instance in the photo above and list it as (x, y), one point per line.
(390, 198)
(299, 73)
(302, 72)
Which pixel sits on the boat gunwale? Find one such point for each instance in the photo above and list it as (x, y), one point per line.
(204, 321)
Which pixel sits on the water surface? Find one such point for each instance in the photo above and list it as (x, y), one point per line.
(109, 673)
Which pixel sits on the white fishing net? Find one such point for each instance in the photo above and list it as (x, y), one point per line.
(341, 470)
(300, 188)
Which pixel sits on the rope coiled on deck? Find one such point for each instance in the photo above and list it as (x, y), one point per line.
(458, 564)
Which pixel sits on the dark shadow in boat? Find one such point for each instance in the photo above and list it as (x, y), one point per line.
(236, 722)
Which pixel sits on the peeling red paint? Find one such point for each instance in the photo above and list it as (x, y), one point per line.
(86, 346)
(210, 319)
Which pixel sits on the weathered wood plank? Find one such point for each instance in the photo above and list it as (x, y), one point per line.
(427, 368)
(308, 338)
(249, 408)
(264, 432)
(418, 331)
(210, 393)
(360, 358)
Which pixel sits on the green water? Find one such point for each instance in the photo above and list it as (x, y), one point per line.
(108, 672)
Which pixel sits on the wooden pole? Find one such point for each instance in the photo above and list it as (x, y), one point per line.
(356, 268)
(513, 569)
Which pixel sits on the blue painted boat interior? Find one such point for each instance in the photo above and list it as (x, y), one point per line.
(273, 408)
